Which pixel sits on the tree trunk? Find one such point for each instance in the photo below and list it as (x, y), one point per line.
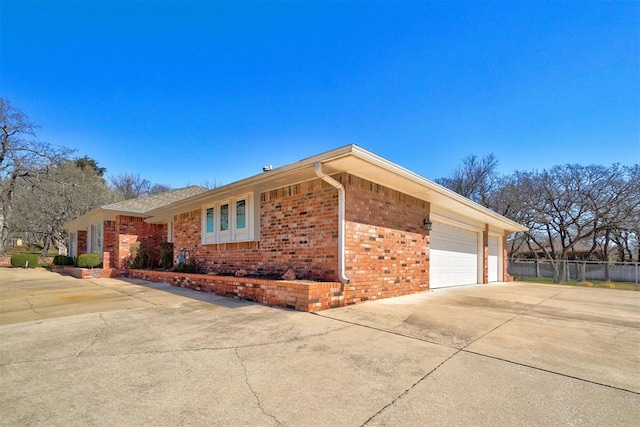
(5, 210)
(4, 234)
(606, 255)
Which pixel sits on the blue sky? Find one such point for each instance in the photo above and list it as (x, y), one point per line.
(188, 92)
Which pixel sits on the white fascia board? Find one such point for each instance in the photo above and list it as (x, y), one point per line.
(303, 170)
(437, 188)
(98, 214)
(84, 221)
(252, 183)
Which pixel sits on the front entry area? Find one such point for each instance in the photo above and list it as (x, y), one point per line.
(453, 258)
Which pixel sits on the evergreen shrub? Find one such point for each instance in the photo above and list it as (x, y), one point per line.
(88, 261)
(189, 267)
(24, 260)
(63, 260)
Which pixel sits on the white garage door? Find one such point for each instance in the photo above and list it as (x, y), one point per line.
(453, 256)
(493, 259)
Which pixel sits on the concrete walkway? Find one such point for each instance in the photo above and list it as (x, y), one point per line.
(114, 352)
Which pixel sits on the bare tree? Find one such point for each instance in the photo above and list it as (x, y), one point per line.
(68, 191)
(131, 186)
(158, 188)
(571, 206)
(210, 185)
(21, 157)
(567, 208)
(476, 179)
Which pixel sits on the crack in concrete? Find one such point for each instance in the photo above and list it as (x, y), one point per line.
(20, 362)
(515, 316)
(180, 350)
(246, 379)
(549, 371)
(388, 331)
(126, 293)
(234, 347)
(95, 336)
(395, 399)
(32, 307)
(458, 350)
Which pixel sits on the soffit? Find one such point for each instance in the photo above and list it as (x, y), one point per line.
(379, 170)
(356, 161)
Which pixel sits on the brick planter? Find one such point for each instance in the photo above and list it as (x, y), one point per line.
(87, 273)
(297, 295)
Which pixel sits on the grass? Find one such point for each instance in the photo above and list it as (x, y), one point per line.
(29, 250)
(42, 262)
(625, 286)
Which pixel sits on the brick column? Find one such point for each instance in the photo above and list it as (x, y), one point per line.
(485, 254)
(82, 242)
(505, 260)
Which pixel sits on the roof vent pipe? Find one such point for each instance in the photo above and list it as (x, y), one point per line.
(341, 221)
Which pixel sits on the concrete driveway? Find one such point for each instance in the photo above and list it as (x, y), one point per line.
(114, 352)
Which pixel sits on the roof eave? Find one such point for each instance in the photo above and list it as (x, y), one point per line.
(275, 175)
(196, 201)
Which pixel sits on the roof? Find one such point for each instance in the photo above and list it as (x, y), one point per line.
(134, 207)
(145, 204)
(359, 162)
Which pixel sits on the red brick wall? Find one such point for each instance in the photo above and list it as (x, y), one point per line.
(82, 242)
(299, 226)
(302, 296)
(299, 230)
(110, 245)
(121, 234)
(220, 258)
(386, 247)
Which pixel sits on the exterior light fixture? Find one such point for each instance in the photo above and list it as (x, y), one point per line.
(184, 256)
(426, 224)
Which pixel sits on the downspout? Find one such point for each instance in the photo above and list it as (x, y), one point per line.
(341, 221)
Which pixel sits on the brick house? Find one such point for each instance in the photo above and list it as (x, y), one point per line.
(346, 216)
(114, 230)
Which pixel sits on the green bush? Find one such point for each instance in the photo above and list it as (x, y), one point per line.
(189, 267)
(139, 256)
(88, 261)
(63, 260)
(24, 260)
(166, 255)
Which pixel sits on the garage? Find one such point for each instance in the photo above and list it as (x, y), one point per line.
(453, 256)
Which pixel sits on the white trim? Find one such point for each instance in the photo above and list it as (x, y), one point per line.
(95, 229)
(341, 220)
(232, 233)
(449, 221)
(170, 232)
(493, 260)
(353, 160)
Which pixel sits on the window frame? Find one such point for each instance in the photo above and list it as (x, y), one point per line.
(232, 233)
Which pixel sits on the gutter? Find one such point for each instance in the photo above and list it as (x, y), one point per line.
(341, 221)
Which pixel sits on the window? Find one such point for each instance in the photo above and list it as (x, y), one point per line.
(228, 220)
(224, 217)
(209, 226)
(241, 214)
